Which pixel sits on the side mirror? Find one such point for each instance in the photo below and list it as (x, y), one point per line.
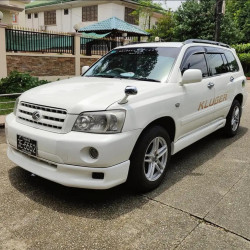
(129, 90)
(84, 69)
(191, 76)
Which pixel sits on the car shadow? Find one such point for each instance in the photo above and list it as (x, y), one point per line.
(112, 203)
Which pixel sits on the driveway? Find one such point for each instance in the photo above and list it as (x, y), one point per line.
(204, 203)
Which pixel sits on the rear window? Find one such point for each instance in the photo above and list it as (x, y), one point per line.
(216, 64)
(232, 63)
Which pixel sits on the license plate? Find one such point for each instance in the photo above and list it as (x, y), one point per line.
(27, 145)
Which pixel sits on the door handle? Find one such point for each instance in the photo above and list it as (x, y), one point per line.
(210, 85)
(231, 79)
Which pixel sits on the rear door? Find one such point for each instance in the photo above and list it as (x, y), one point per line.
(223, 70)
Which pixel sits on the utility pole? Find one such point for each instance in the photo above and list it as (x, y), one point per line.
(218, 14)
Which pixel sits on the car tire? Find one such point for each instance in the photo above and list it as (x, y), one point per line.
(233, 119)
(149, 160)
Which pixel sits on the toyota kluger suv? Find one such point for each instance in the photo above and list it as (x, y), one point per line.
(86, 132)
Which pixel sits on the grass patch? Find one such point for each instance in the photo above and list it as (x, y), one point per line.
(8, 106)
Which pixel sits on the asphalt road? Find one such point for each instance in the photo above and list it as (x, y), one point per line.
(204, 203)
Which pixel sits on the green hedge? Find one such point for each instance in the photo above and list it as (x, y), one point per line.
(245, 61)
(242, 48)
(243, 51)
(18, 82)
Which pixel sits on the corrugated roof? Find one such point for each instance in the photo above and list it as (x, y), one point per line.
(114, 23)
(39, 3)
(94, 35)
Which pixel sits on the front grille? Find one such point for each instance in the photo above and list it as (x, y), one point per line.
(51, 118)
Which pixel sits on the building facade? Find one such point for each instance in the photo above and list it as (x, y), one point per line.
(64, 16)
(13, 12)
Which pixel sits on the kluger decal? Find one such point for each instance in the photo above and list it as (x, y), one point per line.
(214, 101)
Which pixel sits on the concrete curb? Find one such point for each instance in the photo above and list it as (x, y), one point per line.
(2, 121)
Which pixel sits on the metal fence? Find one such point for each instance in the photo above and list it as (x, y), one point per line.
(98, 46)
(30, 41)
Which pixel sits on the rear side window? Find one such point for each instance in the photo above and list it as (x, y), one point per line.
(216, 64)
(196, 61)
(232, 63)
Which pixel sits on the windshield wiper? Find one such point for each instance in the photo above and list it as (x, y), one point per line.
(106, 76)
(138, 78)
(126, 77)
(144, 79)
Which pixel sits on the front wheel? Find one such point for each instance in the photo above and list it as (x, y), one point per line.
(233, 119)
(149, 159)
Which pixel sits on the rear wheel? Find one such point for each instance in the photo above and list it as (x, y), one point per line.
(233, 119)
(149, 159)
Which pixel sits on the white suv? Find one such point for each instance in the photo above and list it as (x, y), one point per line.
(85, 132)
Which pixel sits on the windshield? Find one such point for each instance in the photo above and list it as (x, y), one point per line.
(146, 64)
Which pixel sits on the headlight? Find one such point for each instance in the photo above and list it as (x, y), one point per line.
(100, 122)
(15, 107)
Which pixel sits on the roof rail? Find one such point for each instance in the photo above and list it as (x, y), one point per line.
(206, 41)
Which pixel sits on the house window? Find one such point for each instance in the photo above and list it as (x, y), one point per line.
(50, 17)
(129, 18)
(90, 13)
(36, 15)
(66, 11)
(14, 18)
(29, 16)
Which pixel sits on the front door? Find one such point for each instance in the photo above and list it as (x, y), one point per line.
(196, 108)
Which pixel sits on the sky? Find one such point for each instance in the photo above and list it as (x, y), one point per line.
(173, 4)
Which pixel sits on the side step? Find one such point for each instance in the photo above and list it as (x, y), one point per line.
(197, 135)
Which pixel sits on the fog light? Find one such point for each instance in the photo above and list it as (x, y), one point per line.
(93, 153)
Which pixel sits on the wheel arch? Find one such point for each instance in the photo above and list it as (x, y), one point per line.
(166, 122)
(239, 98)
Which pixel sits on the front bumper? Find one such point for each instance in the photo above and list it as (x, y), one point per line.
(64, 158)
(69, 175)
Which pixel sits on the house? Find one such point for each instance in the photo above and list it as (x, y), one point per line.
(64, 15)
(13, 12)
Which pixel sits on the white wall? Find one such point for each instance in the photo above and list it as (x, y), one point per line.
(109, 10)
(65, 23)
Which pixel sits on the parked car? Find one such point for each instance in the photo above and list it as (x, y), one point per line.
(86, 132)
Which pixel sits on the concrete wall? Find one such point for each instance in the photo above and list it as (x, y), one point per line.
(7, 19)
(46, 65)
(41, 65)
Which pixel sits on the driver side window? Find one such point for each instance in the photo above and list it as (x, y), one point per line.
(196, 61)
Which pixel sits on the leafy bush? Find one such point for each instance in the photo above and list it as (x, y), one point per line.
(18, 82)
(245, 61)
(242, 48)
(244, 58)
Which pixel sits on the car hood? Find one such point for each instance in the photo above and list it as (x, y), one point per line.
(80, 94)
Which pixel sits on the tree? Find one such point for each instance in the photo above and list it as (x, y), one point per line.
(145, 11)
(239, 11)
(194, 20)
(164, 27)
(197, 20)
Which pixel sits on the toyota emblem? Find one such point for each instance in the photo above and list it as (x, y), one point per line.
(36, 115)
